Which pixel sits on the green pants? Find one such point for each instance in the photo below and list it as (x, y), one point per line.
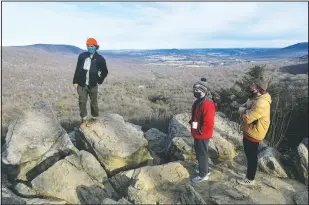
(83, 93)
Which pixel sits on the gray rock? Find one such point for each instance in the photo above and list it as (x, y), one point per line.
(152, 184)
(303, 154)
(219, 199)
(111, 201)
(44, 201)
(138, 127)
(24, 190)
(116, 143)
(301, 197)
(8, 197)
(269, 182)
(34, 142)
(239, 193)
(78, 178)
(178, 127)
(122, 181)
(220, 148)
(140, 196)
(157, 141)
(190, 196)
(181, 150)
(228, 130)
(303, 162)
(269, 162)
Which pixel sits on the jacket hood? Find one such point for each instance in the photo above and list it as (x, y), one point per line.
(265, 97)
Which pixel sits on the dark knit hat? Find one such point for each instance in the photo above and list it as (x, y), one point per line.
(201, 85)
(262, 83)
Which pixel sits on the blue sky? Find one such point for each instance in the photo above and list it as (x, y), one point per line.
(151, 25)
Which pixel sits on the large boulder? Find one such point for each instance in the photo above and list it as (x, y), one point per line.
(157, 141)
(117, 144)
(269, 162)
(34, 142)
(78, 178)
(303, 162)
(154, 184)
(221, 149)
(229, 130)
(178, 127)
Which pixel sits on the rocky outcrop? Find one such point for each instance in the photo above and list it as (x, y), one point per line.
(117, 144)
(34, 142)
(223, 189)
(78, 178)
(303, 162)
(153, 184)
(72, 176)
(269, 162)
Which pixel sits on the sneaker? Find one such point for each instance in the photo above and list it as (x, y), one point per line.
(242, 172)
(200, 179)
(245, 181)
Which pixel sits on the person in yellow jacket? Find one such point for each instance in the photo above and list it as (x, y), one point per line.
(256, 121)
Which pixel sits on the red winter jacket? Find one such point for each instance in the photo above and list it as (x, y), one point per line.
(203, 113)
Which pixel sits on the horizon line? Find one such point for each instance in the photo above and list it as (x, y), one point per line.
(155, 48)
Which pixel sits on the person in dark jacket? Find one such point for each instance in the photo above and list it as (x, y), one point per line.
(90, 71)
(202, 126)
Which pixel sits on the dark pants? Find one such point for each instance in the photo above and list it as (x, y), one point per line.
(83, 93)
(251, 151)
(201, 151)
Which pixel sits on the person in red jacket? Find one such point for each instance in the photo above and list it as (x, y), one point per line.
(202, 126)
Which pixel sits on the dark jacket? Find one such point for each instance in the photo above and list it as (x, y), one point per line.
(203, 112)
(98, 64)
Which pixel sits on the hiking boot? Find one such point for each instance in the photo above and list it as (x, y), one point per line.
(200, 179)
(245, 181)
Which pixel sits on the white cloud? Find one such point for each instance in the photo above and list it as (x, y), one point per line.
(157, 25)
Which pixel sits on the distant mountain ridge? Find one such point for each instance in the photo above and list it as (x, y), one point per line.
(61, 48)
(293, 51)
(298, 46)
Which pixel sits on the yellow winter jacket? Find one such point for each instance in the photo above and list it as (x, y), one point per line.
(256, 121)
